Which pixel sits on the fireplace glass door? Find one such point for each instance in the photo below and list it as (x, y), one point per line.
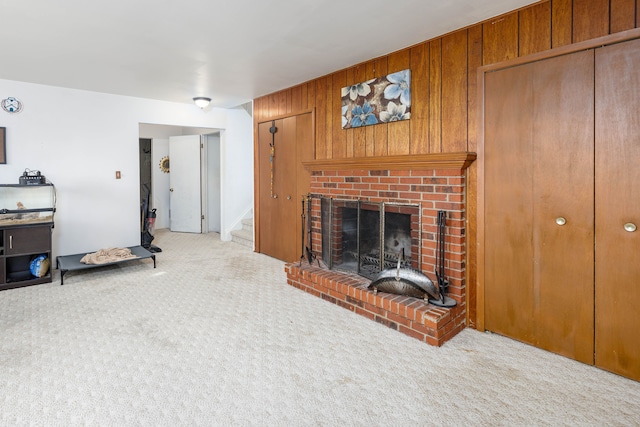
(365, 237)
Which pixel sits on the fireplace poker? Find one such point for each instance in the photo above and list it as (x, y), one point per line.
(443, 283)
(310, 255)
(302, 232)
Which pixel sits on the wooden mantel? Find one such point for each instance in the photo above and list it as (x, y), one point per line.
(458, 161)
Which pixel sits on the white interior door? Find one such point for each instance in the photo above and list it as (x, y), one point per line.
(213, 183)
(185, 184)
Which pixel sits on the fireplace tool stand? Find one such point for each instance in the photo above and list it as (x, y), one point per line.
(443, 283)
(306, 228)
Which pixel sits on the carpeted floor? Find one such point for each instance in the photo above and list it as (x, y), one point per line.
(215, 336)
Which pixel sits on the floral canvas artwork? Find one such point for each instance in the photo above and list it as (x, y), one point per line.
(381, 100)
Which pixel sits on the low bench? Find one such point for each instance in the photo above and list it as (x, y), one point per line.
(72, 262)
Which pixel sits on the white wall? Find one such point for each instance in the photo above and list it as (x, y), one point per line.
(236, 148)
(213, 183)
(78, 139)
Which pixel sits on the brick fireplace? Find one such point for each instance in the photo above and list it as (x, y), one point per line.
(433, 182)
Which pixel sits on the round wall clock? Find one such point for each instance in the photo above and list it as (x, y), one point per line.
(12, 105)
(164, 164)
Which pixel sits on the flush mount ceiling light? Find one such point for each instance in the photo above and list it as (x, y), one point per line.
(201, 101)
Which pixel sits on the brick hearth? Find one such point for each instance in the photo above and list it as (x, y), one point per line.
(434, 182)
(411, 316)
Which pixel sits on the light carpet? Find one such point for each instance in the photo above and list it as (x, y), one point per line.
(215, 336)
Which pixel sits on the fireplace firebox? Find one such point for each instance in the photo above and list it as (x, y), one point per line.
(365, 237)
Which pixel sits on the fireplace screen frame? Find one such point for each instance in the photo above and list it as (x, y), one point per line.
(365, 265)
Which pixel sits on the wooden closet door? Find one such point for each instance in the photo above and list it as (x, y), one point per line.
(618, 203)
(277, 213)
(305, 149)
(280, 221)
(268, 206)
(508, 213)
(563, 161)
(538, 169)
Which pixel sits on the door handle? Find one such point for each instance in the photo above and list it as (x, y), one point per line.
(288, 197)
(561, 221)
(10, 242)
(630, 227)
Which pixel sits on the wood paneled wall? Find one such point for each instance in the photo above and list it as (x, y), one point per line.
(444, 87)
(443, 72)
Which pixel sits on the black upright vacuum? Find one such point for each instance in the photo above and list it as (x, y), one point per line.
(148, 222)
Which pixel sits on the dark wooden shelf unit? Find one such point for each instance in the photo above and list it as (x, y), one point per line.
(20, 245)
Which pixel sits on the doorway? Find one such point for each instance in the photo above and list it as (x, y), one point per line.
(145, 178)
(154, 149)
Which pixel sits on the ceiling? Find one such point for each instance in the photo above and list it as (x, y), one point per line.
(231, 51)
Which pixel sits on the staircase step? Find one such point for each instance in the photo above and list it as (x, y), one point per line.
(247, 224)
(243, 237)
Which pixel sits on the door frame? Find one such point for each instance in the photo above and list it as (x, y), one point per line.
(159, 134)
(480, 219)
(256, 163)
